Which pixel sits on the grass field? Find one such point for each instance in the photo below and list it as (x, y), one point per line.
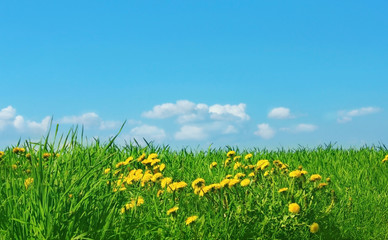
(65, 189)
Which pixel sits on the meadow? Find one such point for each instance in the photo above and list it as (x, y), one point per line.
(66, 189)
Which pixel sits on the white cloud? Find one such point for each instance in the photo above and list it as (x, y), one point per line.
(230, 129)
(90, 120)
(265, 131)
(150, 133)
(18, 122)
(188, 132)
(280, 113)
(303, 127)
(166, 110)
(347, 116)
(40, 127)
(7, 113)
(228, 112)
(6, 116)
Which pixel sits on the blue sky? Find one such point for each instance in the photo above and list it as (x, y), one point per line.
(195, 73)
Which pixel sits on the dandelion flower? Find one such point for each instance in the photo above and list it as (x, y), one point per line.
(295, 174)
(198, 183)
(231, 154)
(165, 182)
(283, 190)
(315, 177)
(248, 156)
(233, 182)
(28, 155)
(172, 210)
(160, 192)
(46, 155)
(153, 156)
(224, 182)
(191, 219)
(321, 185)
(236, 165)
(106, 171)
(314, 227)
(294, 208)
(213, 164)
(236, 158)
(141, 157)
(156, 177)
(239, 175)
(140, 201)
(1, 154)
(227, 161)
(14, 166)
(245, 182)
(28, 182)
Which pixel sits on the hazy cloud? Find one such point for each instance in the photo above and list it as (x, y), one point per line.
(150, 133)
(228, 112)
(90, 120)
(347, 116)
(280, 113)
(188, 132)
(265, 131)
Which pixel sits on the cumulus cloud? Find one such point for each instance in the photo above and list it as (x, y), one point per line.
(8, 119)
(302, 127)
(228, 112)
(151, 133)
(90, 120)
(188, 132)
(187, 111)
(280, 113)
(265, 131)
(39, 126)
(347, 116)
(230, 129)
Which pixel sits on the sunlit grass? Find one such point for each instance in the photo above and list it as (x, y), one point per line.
(68, 190)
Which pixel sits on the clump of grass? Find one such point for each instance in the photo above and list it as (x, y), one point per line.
(69, 190)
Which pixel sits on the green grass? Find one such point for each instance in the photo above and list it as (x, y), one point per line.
(353, 206)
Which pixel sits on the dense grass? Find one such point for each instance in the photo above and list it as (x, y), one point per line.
(70, 198)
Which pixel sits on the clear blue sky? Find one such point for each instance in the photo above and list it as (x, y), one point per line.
(189, 73)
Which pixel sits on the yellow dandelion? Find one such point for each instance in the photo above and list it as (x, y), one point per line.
(248, 156)
(46, 155)
(28, 182)
(237, 165)
(140, 201)
(236, 158)
(266, 173)
(191, 219)
(160, 192)
(294, 208)
(252, 174)
(213, 164)
(122, 210)
(233, 182)
(15, 150)
(172, 210)
(156, 177)
(106, 171)
(314, 227)
(70, 195)
(385, 159)
(165, 181)
(162, 167)
(153, 156)
(14, 166)
(28, 156)
(224, 182)
(231, 154)
(228, 176)
(198, 183)
(262, 164)
(321, 185)
(328, 179)
(239, 175)
(141, 157)
(2, 154)
(245, 182)
(283, 190)
(315, 177)
(295, 174)
(303, 172)
(227, 161)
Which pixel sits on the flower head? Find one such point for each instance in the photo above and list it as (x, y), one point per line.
(191, 219)
(172, 210)
(248, 156)
(28, 182)
(245, 182)
(315, 177)
(294, 208)
(198, 183)
(314, 227)
(282, 190)
(213, 164)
